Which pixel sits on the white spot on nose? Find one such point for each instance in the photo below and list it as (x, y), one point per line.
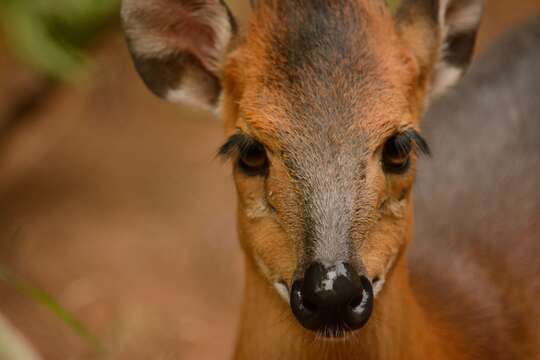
(328, 283)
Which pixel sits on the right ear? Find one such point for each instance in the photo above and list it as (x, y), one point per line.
(442, 35)
(178, 46)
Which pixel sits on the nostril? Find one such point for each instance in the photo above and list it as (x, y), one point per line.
(310, 306)
(306, 311)
(360, 306)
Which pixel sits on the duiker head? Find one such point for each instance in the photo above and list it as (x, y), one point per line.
(321, 101)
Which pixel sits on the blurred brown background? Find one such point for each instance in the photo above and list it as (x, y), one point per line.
(113, 202)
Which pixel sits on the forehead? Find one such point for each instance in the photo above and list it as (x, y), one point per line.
(321, 67)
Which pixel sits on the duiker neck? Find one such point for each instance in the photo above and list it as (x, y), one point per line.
(398, 328)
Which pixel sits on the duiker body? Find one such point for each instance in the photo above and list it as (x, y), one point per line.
(322, 101)
(474, 258)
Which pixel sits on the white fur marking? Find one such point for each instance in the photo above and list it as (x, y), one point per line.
(256, 209)
(382, 277)
(223, 31)
(379, 285)
(446, 77)
(187, 95)
(282, 291)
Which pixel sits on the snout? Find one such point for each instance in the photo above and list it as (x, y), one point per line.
(332, 299)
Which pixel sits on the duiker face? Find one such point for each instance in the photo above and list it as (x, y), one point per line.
(322, 122)
(321, 101)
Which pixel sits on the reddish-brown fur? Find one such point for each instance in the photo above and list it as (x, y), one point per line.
(399, 329)
(322, 85)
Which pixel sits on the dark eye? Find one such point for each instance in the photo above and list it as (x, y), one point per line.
(396, 153)
(253, 159)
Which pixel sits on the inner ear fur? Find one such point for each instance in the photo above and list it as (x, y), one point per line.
(442, 35)
(178, 46)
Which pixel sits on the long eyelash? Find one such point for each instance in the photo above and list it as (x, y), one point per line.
(404, 140)
(237, 142)
(242, 143)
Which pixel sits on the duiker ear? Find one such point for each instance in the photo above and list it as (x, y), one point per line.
(178, 46)
(442, 34)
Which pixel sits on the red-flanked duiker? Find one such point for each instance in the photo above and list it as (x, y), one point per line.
(322, 102)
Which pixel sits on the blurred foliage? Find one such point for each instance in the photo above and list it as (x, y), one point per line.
(39, 296)
(393, 4)
(49, 35)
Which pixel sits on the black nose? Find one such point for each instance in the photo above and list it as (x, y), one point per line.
(332, 299)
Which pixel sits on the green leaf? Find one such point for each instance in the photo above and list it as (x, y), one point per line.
(51, 35)
(41, 297)
(34, 45)
(393, 4)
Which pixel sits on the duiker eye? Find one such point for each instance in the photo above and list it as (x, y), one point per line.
(396, 153)
(253, 159)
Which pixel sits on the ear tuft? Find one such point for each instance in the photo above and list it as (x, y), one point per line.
(178, 46)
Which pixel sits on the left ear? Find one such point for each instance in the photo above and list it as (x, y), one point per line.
(442, 35)
(179, 46)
